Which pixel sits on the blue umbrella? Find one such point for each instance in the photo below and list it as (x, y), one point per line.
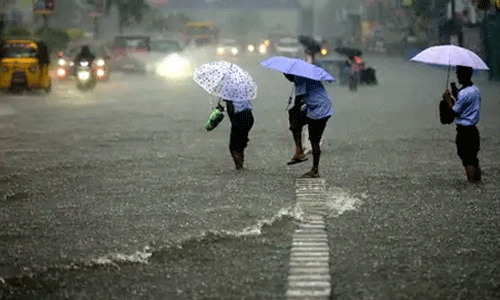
(297, 67)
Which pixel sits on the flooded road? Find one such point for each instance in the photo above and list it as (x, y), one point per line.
(120, 193)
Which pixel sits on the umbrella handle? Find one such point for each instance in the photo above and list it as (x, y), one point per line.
(447, 77)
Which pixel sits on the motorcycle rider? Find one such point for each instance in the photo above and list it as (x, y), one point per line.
(84, 54)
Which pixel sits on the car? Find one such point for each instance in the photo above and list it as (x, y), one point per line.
(228, 48)
(124, 45)
(289, 47)
(165, 58)
(102, 63)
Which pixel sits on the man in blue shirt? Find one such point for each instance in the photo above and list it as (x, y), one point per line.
(312, 107)
(466, 109)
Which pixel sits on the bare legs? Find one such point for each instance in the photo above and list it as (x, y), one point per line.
(316, 152)
(299, 150)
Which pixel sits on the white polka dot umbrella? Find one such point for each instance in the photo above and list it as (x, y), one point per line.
(226, 80)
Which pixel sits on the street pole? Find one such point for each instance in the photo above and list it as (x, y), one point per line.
(45, 21)
(314, 18)
(2, 22)
(96, 28)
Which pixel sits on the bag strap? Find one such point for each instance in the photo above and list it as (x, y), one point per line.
(219, 105)
(290, 98)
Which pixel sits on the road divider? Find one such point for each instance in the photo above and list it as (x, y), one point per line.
(309, 272)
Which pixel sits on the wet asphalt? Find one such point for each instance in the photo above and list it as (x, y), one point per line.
(120, 193)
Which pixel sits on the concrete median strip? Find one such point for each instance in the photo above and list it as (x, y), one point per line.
(308, 273)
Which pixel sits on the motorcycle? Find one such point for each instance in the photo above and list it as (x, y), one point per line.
(85, 77)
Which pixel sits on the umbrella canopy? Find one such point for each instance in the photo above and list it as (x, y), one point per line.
(297, 67)
(450, 55)
(226, 80)
(310, 43)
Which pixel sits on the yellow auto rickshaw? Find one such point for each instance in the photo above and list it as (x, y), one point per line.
(24, 64)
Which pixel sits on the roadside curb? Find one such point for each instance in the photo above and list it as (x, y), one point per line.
(309, 267)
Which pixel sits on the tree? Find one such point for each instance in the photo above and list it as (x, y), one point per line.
(127, 9)
(242, 24)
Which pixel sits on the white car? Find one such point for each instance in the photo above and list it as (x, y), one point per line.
(165, 59)
(289, 47)
(228, 47)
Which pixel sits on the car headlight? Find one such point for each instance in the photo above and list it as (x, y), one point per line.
(100, 62)
(262, 48)
(61, 62)
(71, 64)
(84, 63)
(84, 76)
(174, 66)
(234, 51)
(251, 48)
(220, 50)
(100, 73)
(61, 72)
(323, 51)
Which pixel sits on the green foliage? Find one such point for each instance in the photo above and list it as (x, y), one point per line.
(129, 8)
(17, 33)
(75, 33)
(55, 38)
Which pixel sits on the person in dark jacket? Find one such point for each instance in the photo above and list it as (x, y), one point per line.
(84, 54)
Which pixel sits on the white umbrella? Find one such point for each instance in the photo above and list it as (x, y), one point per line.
(226, 80)
(450, 55)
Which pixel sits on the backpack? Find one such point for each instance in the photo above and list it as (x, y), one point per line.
(446, 114)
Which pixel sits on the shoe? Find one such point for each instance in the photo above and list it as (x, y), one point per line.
(310, 174)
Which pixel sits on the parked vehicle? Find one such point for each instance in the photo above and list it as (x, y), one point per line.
(24, 65)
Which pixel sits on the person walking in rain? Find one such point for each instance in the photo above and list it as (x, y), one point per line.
(310, 57)
(313, 107)
(466, 112)
(233, 85)
(241, 118)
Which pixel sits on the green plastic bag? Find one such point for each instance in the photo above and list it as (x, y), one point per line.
(216, 116)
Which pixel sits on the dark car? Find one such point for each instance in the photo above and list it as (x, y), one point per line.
(124, 45)
(102, 63)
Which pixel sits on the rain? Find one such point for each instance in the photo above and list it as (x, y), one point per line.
(231, 149)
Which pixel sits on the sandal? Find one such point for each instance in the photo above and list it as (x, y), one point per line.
(296, 160)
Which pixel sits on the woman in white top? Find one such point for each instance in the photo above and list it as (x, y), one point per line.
(241, 117)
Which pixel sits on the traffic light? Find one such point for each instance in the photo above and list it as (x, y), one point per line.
(43, 7)
(49, 5)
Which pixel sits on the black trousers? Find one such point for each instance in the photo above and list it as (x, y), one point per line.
(468, 144)
(241, 123)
